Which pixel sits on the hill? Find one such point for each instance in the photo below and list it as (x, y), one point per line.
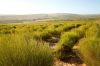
(44, 17)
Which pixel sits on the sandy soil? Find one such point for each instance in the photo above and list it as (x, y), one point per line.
(70, 62)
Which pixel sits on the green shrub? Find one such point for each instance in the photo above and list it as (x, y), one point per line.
(64, 47)
(81, 30)
(44, 35)
(68, 27)
(68, 40)
(89, 51)
(20, 50)
(93, 31)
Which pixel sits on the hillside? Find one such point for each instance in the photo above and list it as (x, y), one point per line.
(44, 17)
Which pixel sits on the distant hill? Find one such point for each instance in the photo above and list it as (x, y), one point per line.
(44, 17)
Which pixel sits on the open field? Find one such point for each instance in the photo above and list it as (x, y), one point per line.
(49, 32)
(50, 43)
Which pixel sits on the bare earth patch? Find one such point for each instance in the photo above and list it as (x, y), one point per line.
(70, 62)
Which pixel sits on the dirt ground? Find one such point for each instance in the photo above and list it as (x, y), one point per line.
(70, 62)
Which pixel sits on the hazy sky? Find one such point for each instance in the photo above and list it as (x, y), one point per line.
(49, 6)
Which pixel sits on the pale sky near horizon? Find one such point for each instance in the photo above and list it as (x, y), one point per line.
(49, 6)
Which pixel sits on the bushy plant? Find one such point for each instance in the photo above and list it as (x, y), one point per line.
(93, 31)
(67, 41)
(89, 51)
(44, 35)
(81, 30)
(64, 47)
(21, 50)
(68, 27)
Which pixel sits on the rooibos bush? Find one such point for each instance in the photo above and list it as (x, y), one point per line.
(15, 50)
(89, 51)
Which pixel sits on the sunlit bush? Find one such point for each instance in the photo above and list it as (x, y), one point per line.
(67, 41)
(89, 51)
(64, 46)
(21, 50)
(93, 31)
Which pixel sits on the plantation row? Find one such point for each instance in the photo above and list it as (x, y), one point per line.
(39, 31)
(68, 40)
(27, 44)
(87, 41)
(89, 47)
(24, 45)
(19, 28)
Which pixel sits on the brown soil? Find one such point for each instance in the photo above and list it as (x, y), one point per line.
(69, 62)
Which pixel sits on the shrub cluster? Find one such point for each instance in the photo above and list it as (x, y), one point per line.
(89, 48)
(89, 51)
(21, 50)
(68, 40)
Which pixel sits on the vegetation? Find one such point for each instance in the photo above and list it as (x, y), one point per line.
(21, 50)
(89, 51)
(67, 41)
(89, 48)
(31, 44)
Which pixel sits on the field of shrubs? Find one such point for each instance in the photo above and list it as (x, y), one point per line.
(39, 44)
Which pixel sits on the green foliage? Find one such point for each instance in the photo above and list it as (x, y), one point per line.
(22, 50)
(67, 41)
(25, 44)
(63, 49)
(44, 35)
(89, 51)
(89, 48)
(93, 31)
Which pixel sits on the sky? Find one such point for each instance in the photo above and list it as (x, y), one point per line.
(49, 6)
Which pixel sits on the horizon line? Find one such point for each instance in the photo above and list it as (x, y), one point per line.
(55, 13)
